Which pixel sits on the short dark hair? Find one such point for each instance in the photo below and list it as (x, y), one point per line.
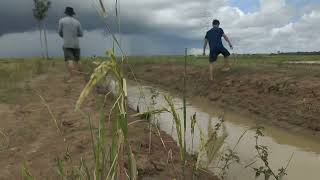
(215, 22)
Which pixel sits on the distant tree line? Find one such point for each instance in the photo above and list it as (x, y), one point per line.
(297, 53)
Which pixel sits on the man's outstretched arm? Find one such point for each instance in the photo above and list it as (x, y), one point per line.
(80, 31)
(228, 40)
(205, 46)
(60, 31)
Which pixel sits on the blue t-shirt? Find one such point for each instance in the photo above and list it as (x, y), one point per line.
(214, 37)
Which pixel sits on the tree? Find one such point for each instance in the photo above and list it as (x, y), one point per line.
(40, 12)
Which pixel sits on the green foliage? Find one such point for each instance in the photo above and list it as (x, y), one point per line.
(40, 10)
(178, 125)
(263, 155)
(212, 146)
(99, 73)
(25, 174)
(14, 74)
(119, 125)
(148, 114)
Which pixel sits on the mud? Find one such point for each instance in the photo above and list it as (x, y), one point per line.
(277, 97)
(281, 144)
(35, 141)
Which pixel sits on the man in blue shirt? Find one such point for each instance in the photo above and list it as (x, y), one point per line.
(213, 37)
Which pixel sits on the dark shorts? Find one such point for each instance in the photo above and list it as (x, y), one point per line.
(71, 54)
(214, 53)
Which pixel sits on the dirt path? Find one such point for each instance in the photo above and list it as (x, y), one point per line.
(277, 97)
(34, 139)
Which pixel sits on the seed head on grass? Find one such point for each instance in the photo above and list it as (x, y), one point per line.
(99, 73)
(212, 146)
(178, 125)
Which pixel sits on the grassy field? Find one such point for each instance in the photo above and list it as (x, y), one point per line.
(243, 63)
(39, 125)
(263, 85)
(240, 59)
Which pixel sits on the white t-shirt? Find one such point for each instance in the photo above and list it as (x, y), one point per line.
(70, 30)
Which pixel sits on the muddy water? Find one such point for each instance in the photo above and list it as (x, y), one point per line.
(305, 163)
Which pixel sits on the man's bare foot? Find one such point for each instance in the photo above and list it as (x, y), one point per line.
(69, 81)
(226, 69)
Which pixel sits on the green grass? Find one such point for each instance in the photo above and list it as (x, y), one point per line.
(242, 64)
(241, 59)
(14, 74)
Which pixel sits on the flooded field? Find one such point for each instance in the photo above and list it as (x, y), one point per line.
(282, 144)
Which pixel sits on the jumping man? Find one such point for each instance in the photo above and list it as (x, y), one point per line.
(214, 36)
(70, 30)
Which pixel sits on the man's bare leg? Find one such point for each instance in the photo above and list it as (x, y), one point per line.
(71, 68)
(226, 66)
(76, 66)
(211, 71)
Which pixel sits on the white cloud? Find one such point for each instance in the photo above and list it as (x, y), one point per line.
(93, 43)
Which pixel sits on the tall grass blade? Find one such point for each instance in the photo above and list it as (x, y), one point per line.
(212, 146)
(99, 73)
(44, 102)
(185, 104)
(177, 121)
(25, 174)
(215, 142)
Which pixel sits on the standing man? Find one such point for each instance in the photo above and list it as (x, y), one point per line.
(214, 36)
(70, 30)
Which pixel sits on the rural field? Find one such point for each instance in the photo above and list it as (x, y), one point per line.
(42, 136)
(41, 131)
(272, 88)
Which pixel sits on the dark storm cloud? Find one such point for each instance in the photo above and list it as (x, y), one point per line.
(16, 16)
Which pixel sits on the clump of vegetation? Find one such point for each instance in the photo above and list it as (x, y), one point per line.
(212, 146)
(40, 12)
(15, 74)
(119, 125)
(263, 155)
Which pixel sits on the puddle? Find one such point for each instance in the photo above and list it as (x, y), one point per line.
(305, 163)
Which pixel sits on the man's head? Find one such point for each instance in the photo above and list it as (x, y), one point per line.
(215, 23)
(69, 11)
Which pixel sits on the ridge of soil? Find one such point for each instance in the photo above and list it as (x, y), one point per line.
(277, 97)
(34, 139)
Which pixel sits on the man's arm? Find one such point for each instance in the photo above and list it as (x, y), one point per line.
(205, 46)
(80, 32)
(227, 39)
(60, 31)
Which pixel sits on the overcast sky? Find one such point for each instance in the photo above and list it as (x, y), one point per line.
(168, 26)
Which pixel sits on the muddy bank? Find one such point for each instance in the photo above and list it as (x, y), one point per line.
(277, 97)
(34, 139)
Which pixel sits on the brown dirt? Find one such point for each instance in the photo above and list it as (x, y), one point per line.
(277, 97)
(34, 139)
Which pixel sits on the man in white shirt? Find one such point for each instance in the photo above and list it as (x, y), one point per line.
(70, 30)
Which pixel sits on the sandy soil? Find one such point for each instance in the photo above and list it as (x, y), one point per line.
(34, 139)
(277, 97)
